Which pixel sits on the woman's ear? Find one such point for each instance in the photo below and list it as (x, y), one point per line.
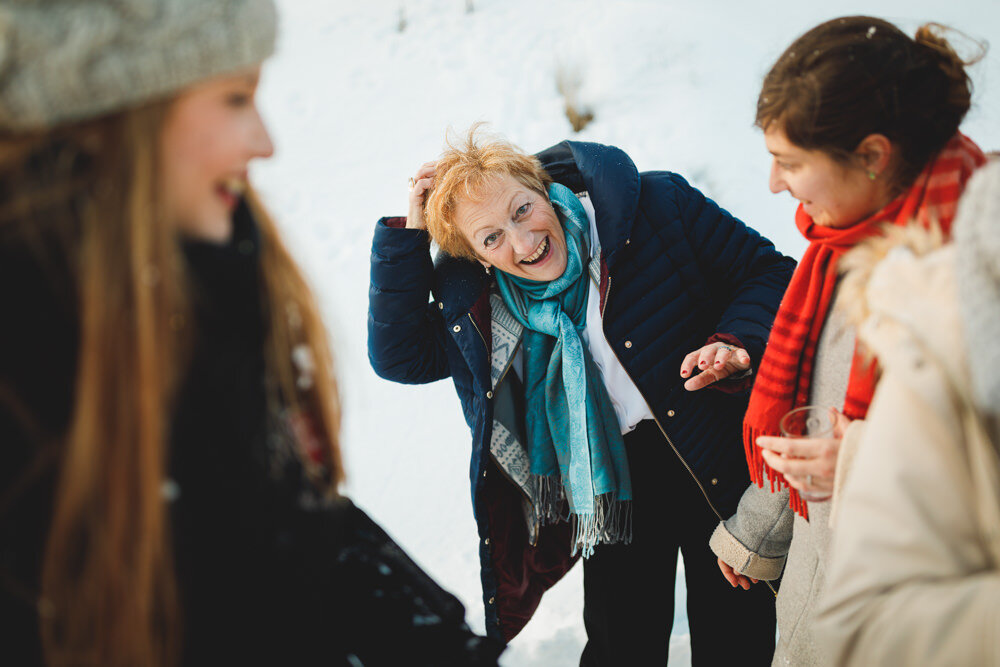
(875, 153)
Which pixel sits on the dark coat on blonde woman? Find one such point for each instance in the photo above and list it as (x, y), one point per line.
(674, 270)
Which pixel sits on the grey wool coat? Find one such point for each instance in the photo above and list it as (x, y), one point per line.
(764, 538)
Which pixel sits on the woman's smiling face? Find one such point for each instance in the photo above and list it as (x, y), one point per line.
(514, 229)
(212, 131)
(833, 194)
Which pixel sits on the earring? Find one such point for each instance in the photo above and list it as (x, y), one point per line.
(487, 269)
(872, 175)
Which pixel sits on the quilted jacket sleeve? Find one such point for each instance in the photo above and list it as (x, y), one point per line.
(406, 338)
(743, 269)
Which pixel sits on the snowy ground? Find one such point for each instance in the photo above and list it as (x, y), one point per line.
(355, 105)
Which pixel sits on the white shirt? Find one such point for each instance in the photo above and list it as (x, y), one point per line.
(629, 405)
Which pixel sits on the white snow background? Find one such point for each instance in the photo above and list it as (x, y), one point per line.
(355, 106)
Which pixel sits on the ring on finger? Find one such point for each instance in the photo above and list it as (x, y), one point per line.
(725, 347)
(809, 480)
(412, 182)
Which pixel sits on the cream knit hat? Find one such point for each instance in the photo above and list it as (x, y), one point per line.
(69, 60)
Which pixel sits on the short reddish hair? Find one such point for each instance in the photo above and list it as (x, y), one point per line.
(465, 172)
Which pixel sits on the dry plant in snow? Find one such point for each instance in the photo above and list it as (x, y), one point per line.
(569, 82)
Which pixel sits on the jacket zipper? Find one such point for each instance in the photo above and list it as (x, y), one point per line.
(607, 297)
(498, 466)
(510, 362)
(476, 327)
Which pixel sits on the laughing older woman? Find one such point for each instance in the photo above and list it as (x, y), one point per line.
(592, 281)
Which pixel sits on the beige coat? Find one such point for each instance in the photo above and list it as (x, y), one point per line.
(914, 570)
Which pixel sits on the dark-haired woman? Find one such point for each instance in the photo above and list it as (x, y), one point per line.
(862, 122)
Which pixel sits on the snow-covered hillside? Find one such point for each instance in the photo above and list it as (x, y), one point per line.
(355, 105)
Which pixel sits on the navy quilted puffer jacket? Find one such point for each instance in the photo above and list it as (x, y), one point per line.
(676, 270)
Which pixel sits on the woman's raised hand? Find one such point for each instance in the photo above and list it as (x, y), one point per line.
(716, 361)
(419, 185)
(808, 464)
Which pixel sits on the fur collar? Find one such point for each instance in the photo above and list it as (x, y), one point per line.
(858, 265)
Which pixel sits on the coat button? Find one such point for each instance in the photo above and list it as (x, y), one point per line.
(456, 328)
(493, 600)
(484, 473)
(489, 394)
(627, 241)
(628, 343)
(671, 413)
(440, 305)
(486, 541)
(715, 481)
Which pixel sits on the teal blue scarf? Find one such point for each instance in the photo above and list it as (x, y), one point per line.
(574, 441)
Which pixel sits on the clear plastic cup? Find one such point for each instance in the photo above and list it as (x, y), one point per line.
(809, 421)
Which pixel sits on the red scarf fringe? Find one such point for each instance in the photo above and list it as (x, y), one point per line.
(785, 375)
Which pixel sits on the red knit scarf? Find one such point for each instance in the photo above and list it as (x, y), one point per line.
(785, 375)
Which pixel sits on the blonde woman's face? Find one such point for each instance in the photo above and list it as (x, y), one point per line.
(514, 229)
(211, 133)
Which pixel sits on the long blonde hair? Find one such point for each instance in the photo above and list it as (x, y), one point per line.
(108, 588)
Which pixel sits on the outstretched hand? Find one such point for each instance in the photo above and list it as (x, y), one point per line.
(716, 361)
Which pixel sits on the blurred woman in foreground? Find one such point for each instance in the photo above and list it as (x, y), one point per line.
(168, 411)
(862, 123)
(914, 574)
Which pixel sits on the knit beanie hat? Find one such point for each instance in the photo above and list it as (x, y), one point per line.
(977, 269)
(69, 60)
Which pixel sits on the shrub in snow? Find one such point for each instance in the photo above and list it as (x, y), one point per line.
(569, 81)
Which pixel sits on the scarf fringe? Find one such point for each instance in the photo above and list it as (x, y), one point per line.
(609, 523)
(758, 467)
(549, 499)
